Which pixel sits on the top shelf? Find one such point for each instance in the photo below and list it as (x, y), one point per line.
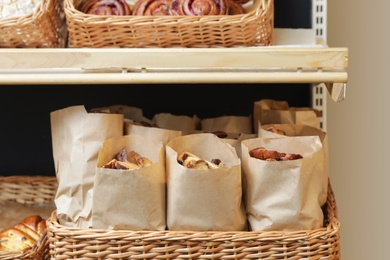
(289, 60)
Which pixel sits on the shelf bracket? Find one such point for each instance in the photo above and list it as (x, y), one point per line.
(337, 91)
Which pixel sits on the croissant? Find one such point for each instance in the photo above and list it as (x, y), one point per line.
(22, 235)
(106, 7)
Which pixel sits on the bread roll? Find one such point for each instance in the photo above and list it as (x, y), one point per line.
(124, 160)
(192, 161)
(23, 235)
(269, 155)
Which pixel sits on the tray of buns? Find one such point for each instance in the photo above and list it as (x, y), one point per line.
(169, 23)
(32, 24)
(25, 204)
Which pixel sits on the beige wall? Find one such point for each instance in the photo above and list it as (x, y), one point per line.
(358, 128)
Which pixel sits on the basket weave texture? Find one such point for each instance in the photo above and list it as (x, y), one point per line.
(44, 28)
(77, 243)
(28, 190)
(255, 28)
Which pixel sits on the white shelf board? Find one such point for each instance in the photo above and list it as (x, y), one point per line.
(293, 58)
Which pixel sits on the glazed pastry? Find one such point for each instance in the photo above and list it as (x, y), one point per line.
(124, 160)
(273, 129)
(235, 7)
(23, 235)
(192, 161)
(156, 7)
(106, 7)
(203, 7)
(270, 155)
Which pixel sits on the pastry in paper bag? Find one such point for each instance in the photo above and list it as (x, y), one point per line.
(132, 195)
(288, 130)
(281, 194)
(76, 140)
(203, 199)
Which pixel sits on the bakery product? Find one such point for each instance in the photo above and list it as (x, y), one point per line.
(22, 235)
(156, 7)
(192, 161)
(106, 7)
(271, 155)
(275, 130)
(124, 160)
(203, 7)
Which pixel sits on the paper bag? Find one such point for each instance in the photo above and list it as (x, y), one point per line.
(134, 114)
(270, 111)
(156, 134)
(323, 155)
(130, 199)
(236, 141)
(283, 195)
(76, 140)
(202, 200)
(183, 123)
(229, 124)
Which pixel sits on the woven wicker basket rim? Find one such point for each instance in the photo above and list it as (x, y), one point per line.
(333, 226)
(72, 11)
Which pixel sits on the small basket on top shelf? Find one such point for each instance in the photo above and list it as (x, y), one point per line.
(32, 24)
(252, 28)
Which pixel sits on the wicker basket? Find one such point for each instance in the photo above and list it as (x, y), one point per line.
(44, 28)
(78, 243)
(29, 191)
(255, 28)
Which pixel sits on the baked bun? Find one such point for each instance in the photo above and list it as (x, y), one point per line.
(270, 155)
(124, 160)
(23, 235)
(192, 161)
(275, 130)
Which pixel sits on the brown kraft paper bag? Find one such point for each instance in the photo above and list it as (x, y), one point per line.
(183, 123)
(268, 111)
(228, 124)
(130, 199)
(154, 133)
(305, 130)
(283, 195)
(76, 140)
(204, 200)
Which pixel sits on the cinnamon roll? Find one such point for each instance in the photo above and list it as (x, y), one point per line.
(235, 7)
(106, 7)
(155, 7)
(203, 7)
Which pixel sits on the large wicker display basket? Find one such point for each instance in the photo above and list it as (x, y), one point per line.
(43, 28)
(30, 191)
(255, 28)
(78, 243)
